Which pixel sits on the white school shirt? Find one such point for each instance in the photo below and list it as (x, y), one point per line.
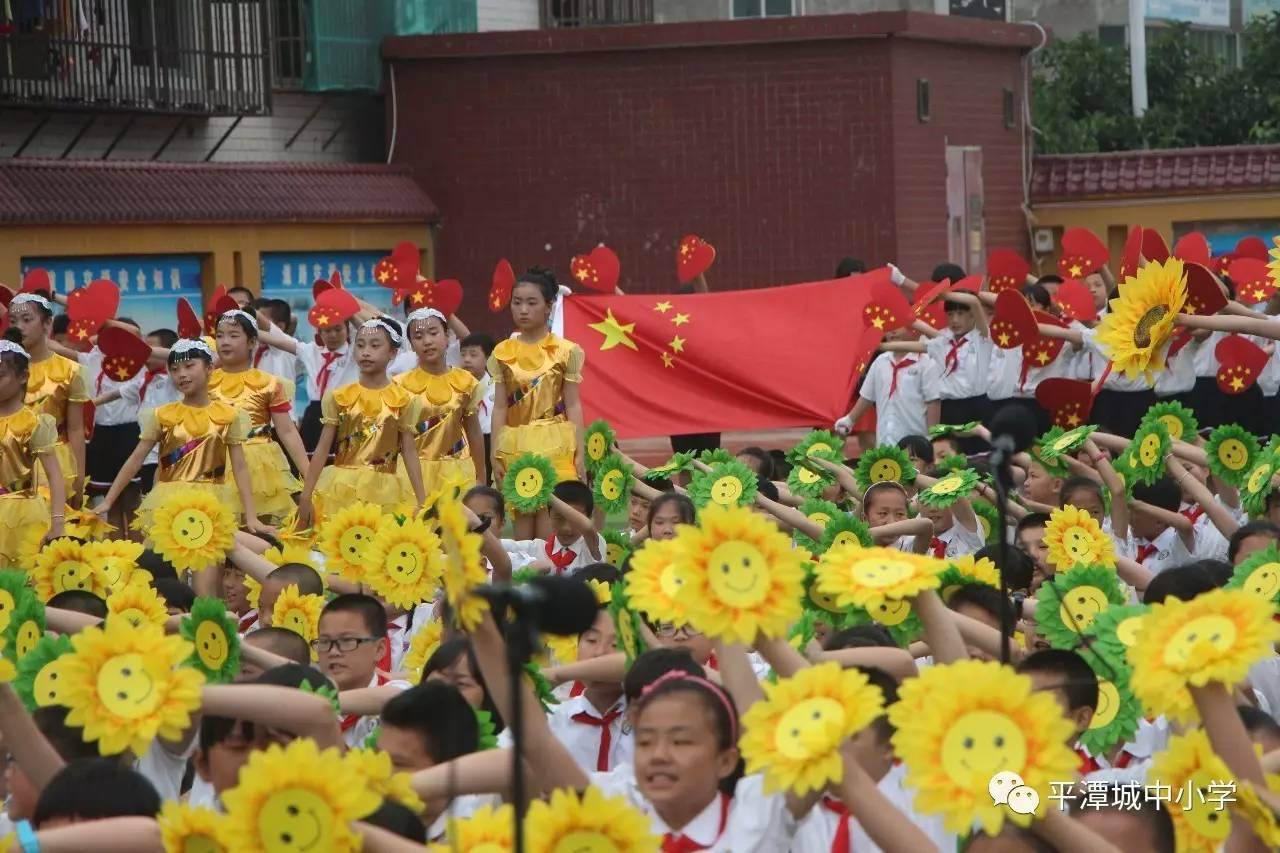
(756, 822)
(164, 768)
(958, 541)
(584, 741)
(1170, 551)
(343, 370)
(354, 735)
(402, 629)
(1179, 374)
(534, 549)
(903, 413)
(121, 411)
(1006, 370)
(277, 362)
(484, 404)
(1092, 361)
(973, 363)
(817, 830)
(1206, 356)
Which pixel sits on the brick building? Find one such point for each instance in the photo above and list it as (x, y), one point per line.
(787, 143)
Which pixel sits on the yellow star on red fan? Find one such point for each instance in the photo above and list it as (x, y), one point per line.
(585, 272)
(614, 332)
(1076, 270)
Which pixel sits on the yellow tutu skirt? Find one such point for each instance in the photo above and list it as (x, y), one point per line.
(341, 487)
(435, 472)
(224, 492)
(555, 440)
(67, 464)
(271, 479)
(20, 515)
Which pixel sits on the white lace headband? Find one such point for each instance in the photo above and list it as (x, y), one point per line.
(185, 345)
(379, 323)
(9, 346)
(426, 314)
(236, 312)
(23, 298)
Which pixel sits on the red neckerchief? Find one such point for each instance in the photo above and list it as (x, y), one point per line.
(952, 359)
(561, 558)
(676, 843)
(146, 381)
(248, 620)
(605, 724)
(322, 381)
(1145, 551)
(897, 367)
(938, 547)
(349, 720)
(259, 353)
(1193, 514)
(839, 844)
(1088, 764)
(577, 689)
(712, 663)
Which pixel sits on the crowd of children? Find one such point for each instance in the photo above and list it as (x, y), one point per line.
(229, 625)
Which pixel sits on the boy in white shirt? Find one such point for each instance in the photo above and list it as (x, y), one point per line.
(152, 389)
(903, 387)
(956, 528)
(269, 359)
(963, 350)
(1162, 537)
(352, 639)
(474, 352)
(576, 543)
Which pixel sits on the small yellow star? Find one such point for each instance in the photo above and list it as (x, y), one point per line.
(1073, 420)
(614, 332)
(1042, 357)
(677, 344)
(583, 273)
(680, 319)
(662, 307)
(686, 249)
(1075, 270)
(668, 360)
(1004, 339)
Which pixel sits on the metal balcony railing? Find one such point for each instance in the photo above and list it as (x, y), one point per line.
(202, 57)
(595, 13)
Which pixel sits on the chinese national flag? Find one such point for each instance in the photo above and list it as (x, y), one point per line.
(711, 362)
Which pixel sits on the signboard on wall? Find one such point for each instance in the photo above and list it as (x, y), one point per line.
(150, 285)
(1204, 13)
(290, 275)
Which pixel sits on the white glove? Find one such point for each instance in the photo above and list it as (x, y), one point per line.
(844, 426)
(895, 275)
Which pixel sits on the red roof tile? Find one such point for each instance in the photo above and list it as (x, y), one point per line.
(40, 192)
(1175, 171)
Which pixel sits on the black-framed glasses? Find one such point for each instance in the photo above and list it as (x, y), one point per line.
(342, 644)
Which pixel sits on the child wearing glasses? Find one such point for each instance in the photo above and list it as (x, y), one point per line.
(351, 641)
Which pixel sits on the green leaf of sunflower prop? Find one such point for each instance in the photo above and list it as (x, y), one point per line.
(677, 463)
(1124, 465)
(882, 463)
(950, 488)
(716, 456)
(954, 462)
(808, 479)
(1259, 574)
(541, 687)
(612, 484)
(726, 484)
(215, 635)
(898, 618)
(819, 442)
(627, 622)
(1258, 484)
(617, 547)
(988, 520)
(597, 443)
(488, 731)
(801, 633)
(325, 690)
(819, 512)
(1232, 452)
(1179, 421)
(37, 687)
(528, 483)
(1114, 631)
(940, 430)
(524, 575)
(842, 530)
(1058, 442)
(16, 595)
(1147, 451)
(1067, 604)
(1115, 718)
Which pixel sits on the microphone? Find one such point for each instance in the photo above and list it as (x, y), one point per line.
(1012, 431)
(554, 605)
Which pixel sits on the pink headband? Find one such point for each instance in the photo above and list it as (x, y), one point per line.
(716, 691)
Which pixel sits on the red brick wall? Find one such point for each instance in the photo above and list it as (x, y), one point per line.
(780, 151)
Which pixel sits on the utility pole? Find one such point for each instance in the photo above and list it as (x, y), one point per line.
(1138, 54)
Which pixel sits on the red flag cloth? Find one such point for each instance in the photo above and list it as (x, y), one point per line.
(775, 357)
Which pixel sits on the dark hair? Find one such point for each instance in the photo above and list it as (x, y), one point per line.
(483, 340)
(156, 565)
(399, 330)
(1031, 519)
(1181, 582)
(95, 788)
(283, 642)
(193, 354)
(949, 271)
(718, 703)
(300, 575)
(651, 665)
(889, 689)
(1050, 278)
(781, 465)
(917, 445)
(1076, 483)
(166, 337)
(80, 601)
(543, 279)
(1079, 682)
(868, 636)
(214, 730)
(575, 494)
(1145, 809)
(175, 593)
(1260, 527)
(368, 608)
(1018, 567)
(240, 289)
(447, 655)
(250, 329)
(438, 714)
(979, 595)
(1163, 493)
(280, 311)
(1038, 295)
(849, 266)
(766, 487)
(688, 512)
(68, 741)
(21, 364)
(395, 817)
(760, 455)
(492, 494)
(948, 306)
(61, 323)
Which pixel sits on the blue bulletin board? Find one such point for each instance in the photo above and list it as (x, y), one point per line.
(289, 276)
(150, 285)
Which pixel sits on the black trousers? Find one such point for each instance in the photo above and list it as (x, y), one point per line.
(1120, 412)
(962, 411)
(311, 426)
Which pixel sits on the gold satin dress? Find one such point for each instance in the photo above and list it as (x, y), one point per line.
(366, 446)
(258, 396)
(52, 386)
(24, 512)
(192, 444)
(440, 431)
(533, 377)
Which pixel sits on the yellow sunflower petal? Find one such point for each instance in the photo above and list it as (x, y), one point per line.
(590, 822)
(185, 828)
(1075, 538)
(487, 830)
(868, 577)
(421, 648)
(404, 563)
(652, 582)
(137, 605)
(345, 538)
(1135, 333)
(463, 566)
(192, 529)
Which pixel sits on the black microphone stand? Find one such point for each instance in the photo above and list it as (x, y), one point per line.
(522, 633)
(1003, 479)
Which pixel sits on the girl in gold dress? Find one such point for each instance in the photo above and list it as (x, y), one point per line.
(25, 436)
(368, 424)
(266, 401)
(447, 432)
(57, 386)
(535, 399)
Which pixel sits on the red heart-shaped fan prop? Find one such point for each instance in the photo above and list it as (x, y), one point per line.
(1252, 279)
(37, 279)
(189, 326)
(597, 270)
(1075, 301)
(1193, 248)
(1068, 401)
(1205, 295)
(94, 303)
(1240, 361)
(124, 353)
(332, 308)
(1006, 270)
(504, 281)
(1082, 253)
(1131, 257)
(694, 257)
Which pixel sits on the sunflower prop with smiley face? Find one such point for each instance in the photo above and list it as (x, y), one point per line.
(1232, 452)
(404, 563)
(1179, 421)
(884, 463)
(844, 529)
(463, 566)
(1259, 574)
(27, 627)
(13, 589)
(295, 798)
(126, 685)
(793, 736)
(1117, 712)
(1215, 637)
(528, 483)
(966, 570)
(617, 547)
(487, 829)
(868, 577)
(819, 512)
(740, 576)
(1259, 482)
(960, 724)
(215, 640)
(1146, 453)
(372, 769)
(612, 484)
(62, 565)
(676, 464)
(654, 581)
(1114, 631)
(1074, 538)
(297, 612)
(988, 520)
(184, 827)
(423, 645)
(950, 488)
(1136, 332)
(597, 443)
(724, 484)
(898, 617)
(592, 821)
(1058, 442)
(117, 562)
(137, 605)
(807, 479)
(1067, 604)
(627, 621)
(345, 538)
(39, 682)
(192, 529)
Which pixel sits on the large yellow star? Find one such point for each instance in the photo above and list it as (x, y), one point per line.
(1004, 339)
(583, 273)
(677, 344)
(1042, 357)
(878, 322)
(122, 372)
(662, 307)
(1237, 384)
(383, 275)
(614, 332)
(1073, 420)
(1075, 270)
(680, 319)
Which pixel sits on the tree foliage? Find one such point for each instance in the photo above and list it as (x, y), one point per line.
(1082, 94)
